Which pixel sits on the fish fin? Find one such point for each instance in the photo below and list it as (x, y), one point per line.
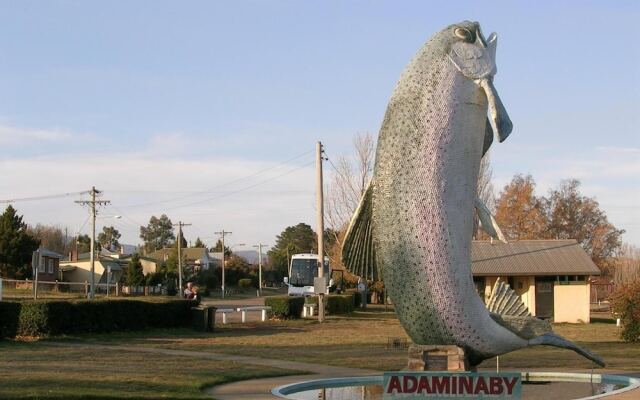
(488, 223)
(552, 339)
(504, 301)
(358, 253)
(488, 137)
(526, 327)
(501, 123)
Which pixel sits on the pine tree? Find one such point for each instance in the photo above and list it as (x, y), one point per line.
(135, 276)
(16, 245)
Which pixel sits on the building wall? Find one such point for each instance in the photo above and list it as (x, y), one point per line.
(82, 272)
(571, 303)
(48, 274)
(148, 266)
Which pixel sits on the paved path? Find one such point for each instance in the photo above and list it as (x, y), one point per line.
(260, 389)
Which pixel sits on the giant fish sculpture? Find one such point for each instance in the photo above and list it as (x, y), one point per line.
(413, 227)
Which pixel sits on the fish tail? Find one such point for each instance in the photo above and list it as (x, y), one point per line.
(551, 339)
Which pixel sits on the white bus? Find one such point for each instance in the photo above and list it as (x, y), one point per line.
(302, 270)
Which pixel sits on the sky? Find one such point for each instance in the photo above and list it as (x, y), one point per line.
(209, 111)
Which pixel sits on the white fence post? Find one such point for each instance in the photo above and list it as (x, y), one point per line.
(0, 289)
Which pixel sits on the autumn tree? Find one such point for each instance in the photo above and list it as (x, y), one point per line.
(16, 245)
(108, 238)
(574, 216)
(519, 213)
(158, 233)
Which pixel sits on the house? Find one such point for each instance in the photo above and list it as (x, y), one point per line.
(550, 276)
(194, 258)
(79, 270)
(48, 265)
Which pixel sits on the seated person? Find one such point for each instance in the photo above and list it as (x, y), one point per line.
(189, 293)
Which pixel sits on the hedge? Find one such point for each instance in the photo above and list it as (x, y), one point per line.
(41, 318)
(285, 307)
(336, 304)
(9, 316)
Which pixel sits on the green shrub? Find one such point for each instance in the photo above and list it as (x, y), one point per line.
(285, 307)
(38, 318)
(626, 304)
(9, 318)
(357, 298)
(335, 304)
(245, 283)
(340, 304)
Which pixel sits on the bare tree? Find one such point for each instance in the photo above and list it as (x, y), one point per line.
(485, 192)
(627, 265)
(51, 237)
(350, 179)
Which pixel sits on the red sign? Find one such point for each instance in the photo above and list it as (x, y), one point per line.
(419, 385)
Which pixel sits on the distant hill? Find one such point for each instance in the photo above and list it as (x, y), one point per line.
(251, 256)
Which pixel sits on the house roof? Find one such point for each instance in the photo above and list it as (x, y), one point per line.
(531, 257)
(189, 253)
(48, 253)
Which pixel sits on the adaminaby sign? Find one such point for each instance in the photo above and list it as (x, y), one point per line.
(441, 385)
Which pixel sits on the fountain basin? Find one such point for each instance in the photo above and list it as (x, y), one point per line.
(535, 385)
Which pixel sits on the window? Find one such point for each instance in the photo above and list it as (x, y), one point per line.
(50, 265)
(41, 264)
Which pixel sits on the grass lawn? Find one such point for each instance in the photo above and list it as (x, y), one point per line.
(361, 341)
(32, 370)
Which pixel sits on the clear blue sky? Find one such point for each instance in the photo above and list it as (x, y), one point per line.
(150, 100)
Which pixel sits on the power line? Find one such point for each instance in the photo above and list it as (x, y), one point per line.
(240, 190)
(223, 184)
(47, 197)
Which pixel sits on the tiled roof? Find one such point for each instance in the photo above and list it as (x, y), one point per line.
(531, 257)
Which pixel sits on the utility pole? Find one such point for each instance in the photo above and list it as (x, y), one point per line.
(92, 208)
(259, 247)
(180, 224)
(223, 232)
(320, 227)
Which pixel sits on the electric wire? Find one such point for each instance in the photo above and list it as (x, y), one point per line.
(242, 189)
(285, 162)
(46, 197)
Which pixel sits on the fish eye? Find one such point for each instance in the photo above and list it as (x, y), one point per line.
(465, 34)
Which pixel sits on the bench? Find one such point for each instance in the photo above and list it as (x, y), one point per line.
(263, 309)
(224, 312)
(307, 309)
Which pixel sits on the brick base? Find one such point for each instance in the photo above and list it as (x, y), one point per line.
(437, 358)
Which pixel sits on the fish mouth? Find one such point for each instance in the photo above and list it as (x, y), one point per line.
(480, 37)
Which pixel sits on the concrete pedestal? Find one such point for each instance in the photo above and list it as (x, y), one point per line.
(437, 358)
